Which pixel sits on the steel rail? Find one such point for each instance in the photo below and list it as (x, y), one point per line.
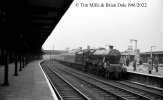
(148, 94)
(95, 86)
(55, 89)
(104, 89)
(143, 88)
(139, 95)
(80, 93)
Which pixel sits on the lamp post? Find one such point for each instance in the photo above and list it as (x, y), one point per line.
(151, 49)
(136, 52)
(151, 55)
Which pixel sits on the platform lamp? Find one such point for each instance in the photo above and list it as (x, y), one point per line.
(151, 49)
(151, 55)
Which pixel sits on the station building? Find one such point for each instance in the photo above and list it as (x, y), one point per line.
(144, 55)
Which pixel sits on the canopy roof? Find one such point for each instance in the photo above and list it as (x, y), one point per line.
(28, 23)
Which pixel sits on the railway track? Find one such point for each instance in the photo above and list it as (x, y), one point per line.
(124, 89)
(103, 94)
(63, 89)
(153, 93)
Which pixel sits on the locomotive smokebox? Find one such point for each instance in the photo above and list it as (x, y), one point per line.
(111, 47)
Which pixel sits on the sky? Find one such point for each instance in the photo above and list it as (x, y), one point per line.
(100, 25)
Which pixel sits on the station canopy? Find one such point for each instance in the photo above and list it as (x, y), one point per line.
(28, 23)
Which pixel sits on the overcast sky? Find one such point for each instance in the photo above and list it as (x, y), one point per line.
(97, 26)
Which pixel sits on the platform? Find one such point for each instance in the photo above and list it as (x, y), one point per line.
(142, 76)
(30, 84)
(144, 70)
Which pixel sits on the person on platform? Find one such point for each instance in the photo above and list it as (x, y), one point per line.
(140, 64)
(122, 61)
(127, 62)
(134, 64)
(156, 62)
(150, 65)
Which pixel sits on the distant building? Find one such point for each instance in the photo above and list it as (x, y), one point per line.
(129, 54)
(130, 48)
(67, 48)
(146, 55)
(80, 48)
(54, 52)
(88, 47)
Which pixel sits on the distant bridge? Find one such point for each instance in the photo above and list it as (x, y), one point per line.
(54, 52)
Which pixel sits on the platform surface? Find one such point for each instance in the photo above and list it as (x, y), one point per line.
(30, 84)
(144, 70)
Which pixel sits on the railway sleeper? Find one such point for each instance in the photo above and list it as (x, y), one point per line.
(66, 92)
(72, 96)
(68, 98)
(124, 95)
(71, 93)
(129, 98)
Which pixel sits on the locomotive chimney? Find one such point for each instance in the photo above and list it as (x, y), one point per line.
(111, 47)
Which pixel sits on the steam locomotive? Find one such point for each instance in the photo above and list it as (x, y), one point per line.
(99, 61)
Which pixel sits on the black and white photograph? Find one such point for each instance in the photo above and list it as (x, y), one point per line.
(81, 50)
